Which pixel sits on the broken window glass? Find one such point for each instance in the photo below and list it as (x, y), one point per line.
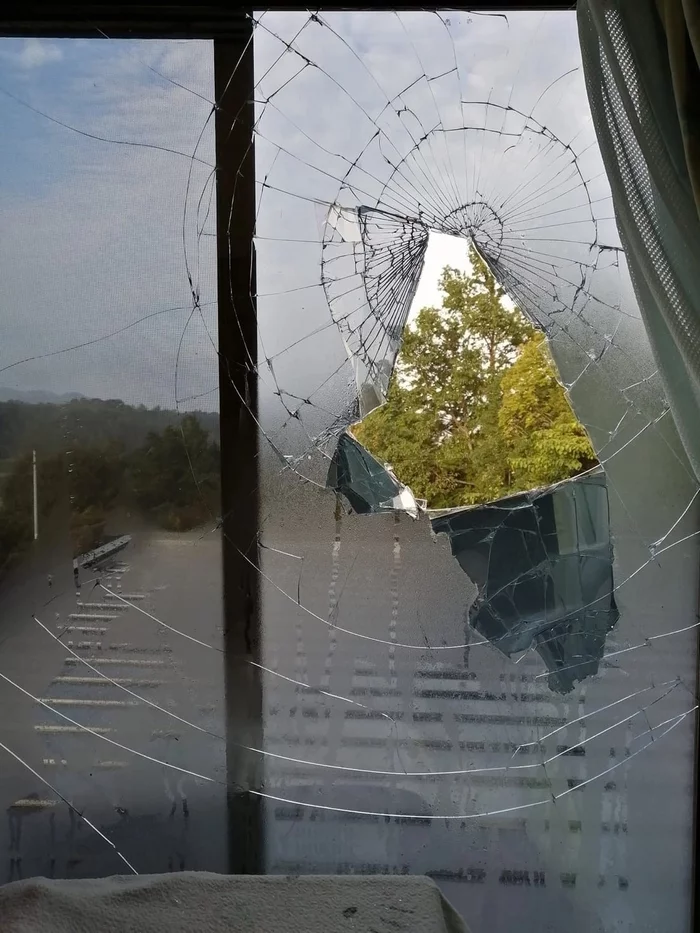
(519, 686)
(366, 484)
(502, 725)
(474, 410)
(543, 563)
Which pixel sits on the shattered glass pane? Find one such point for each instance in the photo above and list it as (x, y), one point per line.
(487, 704)
(543, 563)
(475, 410)
(392, 249)
(366, 484)
(494, 705)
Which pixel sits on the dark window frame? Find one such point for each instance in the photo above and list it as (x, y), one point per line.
(222, 20)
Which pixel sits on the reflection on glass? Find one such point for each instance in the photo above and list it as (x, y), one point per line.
(543, 565)
(366, 484)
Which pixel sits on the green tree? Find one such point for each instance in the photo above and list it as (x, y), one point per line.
(474, 409)
(95, 481)
(544, 440)
(96, 475)
(175, 475)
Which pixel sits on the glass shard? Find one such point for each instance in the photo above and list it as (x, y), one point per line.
(543, 563)
(388, 253)
(368, 486)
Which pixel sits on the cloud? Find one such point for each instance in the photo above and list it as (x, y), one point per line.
(36, 53)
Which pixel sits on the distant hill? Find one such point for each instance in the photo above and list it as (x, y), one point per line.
(52, 427)
(36, 396)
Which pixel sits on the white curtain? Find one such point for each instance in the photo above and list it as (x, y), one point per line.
(641, 60)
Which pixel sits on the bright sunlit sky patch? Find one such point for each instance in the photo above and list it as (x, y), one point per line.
(443, 250)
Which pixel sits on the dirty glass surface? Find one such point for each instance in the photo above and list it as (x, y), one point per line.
(501, 696)
(108, 380)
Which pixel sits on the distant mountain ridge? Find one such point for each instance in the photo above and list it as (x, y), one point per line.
(37, 396)
(52, 427)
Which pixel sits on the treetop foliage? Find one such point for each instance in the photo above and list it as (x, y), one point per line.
(475, 410)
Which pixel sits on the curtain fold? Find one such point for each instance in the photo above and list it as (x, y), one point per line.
(641, 61)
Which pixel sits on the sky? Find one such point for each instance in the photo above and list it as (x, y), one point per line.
(443, 250)
(92, 230)
(106, 184)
